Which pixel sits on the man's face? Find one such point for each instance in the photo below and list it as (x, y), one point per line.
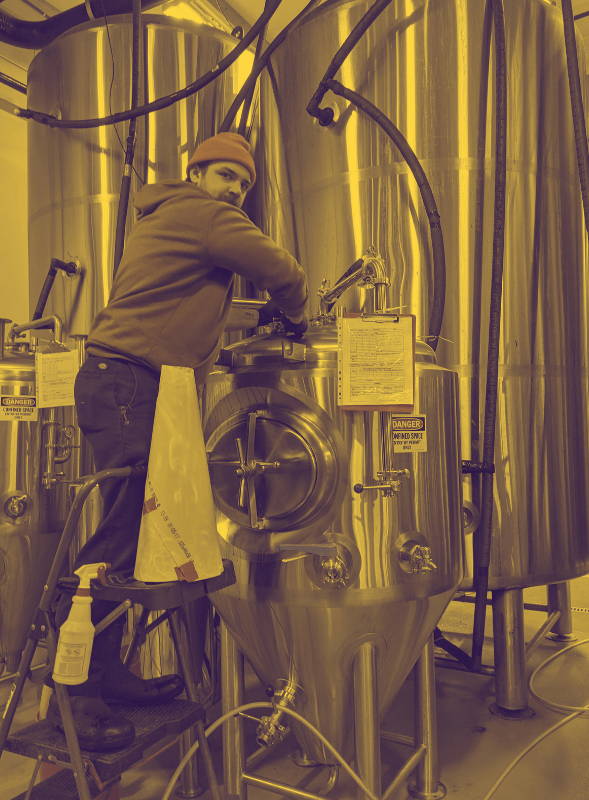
(223, 180)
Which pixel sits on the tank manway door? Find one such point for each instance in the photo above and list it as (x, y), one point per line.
(272, 469)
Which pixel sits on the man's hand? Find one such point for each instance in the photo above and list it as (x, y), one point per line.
(268, 313)
(297, 329)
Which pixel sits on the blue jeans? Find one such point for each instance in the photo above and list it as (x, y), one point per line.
(115, 403)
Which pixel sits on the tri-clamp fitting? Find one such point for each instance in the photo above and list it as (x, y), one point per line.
(416, 558)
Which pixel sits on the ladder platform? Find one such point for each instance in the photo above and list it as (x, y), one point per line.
(153, 596)
(152, 725)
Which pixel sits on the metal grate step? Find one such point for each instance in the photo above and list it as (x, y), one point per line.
(152, 725)
(61, 786)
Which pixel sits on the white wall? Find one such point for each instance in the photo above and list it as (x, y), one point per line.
(14, 283)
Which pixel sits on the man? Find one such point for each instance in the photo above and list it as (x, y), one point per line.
(169, 303)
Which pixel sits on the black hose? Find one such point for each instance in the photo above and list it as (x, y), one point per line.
(37, 35)
(250, 96)
(577, 105)
(160, 102)
(248, 87)
(55, 264)
(437, 238)
(484, 533)
(325, 115)
(130, 149)
(450, 648)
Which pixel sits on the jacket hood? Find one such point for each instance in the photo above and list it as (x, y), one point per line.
(153, 195)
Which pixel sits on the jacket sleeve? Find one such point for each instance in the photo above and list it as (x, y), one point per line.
(236, 244)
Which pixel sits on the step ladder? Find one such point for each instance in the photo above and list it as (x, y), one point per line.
(86, 775)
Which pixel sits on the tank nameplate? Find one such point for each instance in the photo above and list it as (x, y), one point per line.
(18, 409)
(409, 434)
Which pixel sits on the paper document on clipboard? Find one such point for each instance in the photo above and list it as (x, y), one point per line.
(376, 362)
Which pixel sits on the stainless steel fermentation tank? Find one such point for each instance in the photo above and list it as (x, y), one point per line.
(326, 572)
(36, 455)
(75, 175)
(328, 193)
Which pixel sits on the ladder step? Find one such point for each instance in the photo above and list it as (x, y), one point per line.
(61, 786)
(152, 725)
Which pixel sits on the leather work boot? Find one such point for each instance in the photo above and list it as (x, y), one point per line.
(98, 728)
(120, 685)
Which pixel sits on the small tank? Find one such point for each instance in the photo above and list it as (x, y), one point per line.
(336, 539)
(33, 499)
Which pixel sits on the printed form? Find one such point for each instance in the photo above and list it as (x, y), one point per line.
(376, 357)
(56, 373)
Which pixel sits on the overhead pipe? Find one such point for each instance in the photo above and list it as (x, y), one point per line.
(13, 83)
(36, 35)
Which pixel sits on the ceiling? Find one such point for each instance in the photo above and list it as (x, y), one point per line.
(14, 61)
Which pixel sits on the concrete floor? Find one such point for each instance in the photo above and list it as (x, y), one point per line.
(475, 745)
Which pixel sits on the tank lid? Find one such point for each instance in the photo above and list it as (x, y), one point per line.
(317, 347)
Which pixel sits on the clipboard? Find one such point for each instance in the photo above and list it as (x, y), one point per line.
(376, 362)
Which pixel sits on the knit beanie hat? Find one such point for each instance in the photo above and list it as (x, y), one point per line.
(224, 147)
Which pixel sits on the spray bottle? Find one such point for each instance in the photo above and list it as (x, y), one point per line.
(76, 635)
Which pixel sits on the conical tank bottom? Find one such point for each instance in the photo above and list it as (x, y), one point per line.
(315, 645)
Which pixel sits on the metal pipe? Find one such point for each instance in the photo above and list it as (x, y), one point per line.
(232, 691)
(449, 663)
(52, 321)
(190, 785)
(547, 626)
(366, 717)
(511, 690)
(427, 785)
(398, 738)
(3, 323)
(559, 599)
(279, 788)
(527, 606)
(407, 769)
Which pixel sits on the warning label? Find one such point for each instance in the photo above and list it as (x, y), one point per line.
(409, 434)
(18, 409)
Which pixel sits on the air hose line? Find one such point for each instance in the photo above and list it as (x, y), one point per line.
(326, 116)
(160, 102)
(130, 149)
(248, 87)
(437, 239)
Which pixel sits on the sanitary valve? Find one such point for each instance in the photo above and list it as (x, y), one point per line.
(331, 563)
(270, 730)
(416, 558)
(388, 482)
(16, 505)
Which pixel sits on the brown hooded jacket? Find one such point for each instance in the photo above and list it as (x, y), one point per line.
(174, 285)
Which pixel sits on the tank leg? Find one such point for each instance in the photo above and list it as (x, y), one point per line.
(427, 785)
(190, 784)
(511, 688)
(559, 599)
(232, 691)
(367, 718)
